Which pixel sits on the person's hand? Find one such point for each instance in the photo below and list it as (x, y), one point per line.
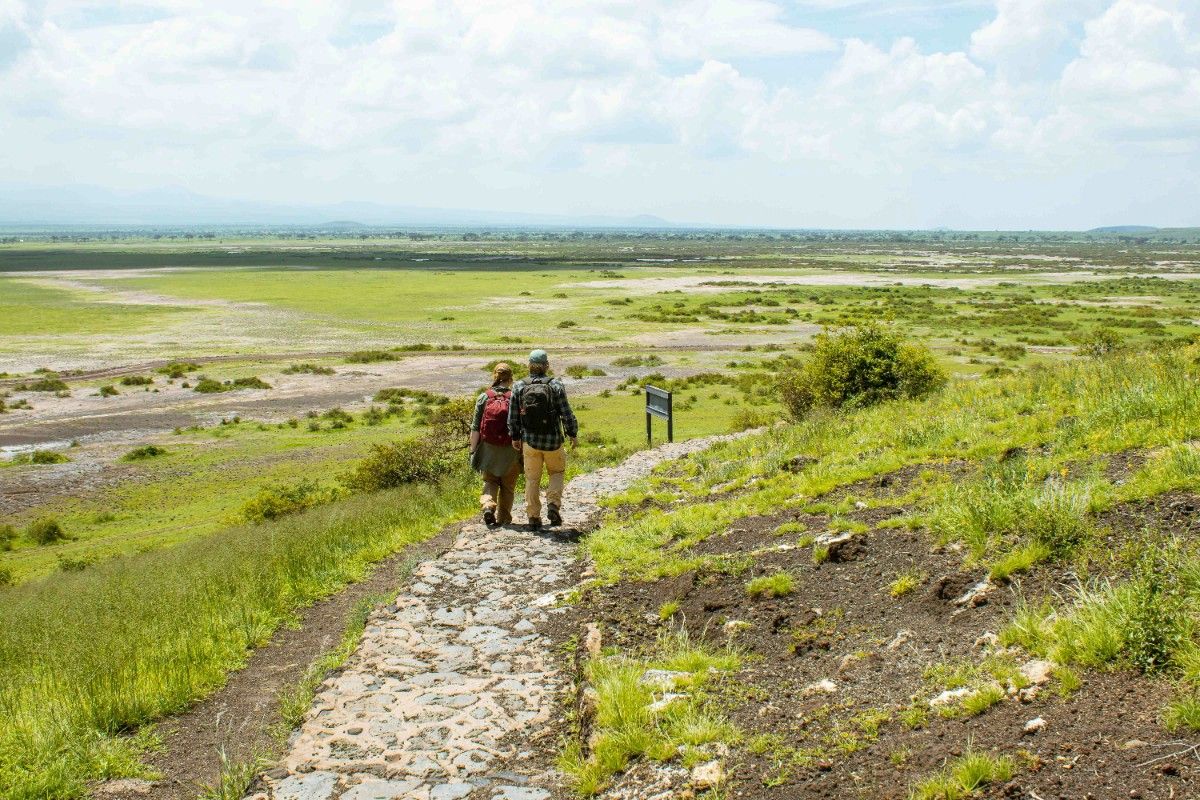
(574, 442)
(517, 445)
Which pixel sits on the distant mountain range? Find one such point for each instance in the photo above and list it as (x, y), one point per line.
(1126, 229)
(90, 205)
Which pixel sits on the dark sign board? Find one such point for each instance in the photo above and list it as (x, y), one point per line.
(658, 404)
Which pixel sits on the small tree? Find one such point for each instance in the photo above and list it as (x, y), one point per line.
(1100, 343)
(858, 367)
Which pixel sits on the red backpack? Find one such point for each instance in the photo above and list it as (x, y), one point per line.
(494, 428)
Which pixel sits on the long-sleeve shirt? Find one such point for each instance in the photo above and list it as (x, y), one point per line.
(567, 427)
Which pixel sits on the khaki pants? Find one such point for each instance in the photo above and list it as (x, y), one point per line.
(501, 488)
(555, 462)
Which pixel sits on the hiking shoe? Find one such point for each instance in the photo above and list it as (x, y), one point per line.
(555, 517)
(535, 524)
(489, 518)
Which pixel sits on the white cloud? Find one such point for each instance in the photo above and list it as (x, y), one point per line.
(463, 94)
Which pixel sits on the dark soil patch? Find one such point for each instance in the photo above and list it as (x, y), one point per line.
(843, 625)
(1176, 512)
(241, 718)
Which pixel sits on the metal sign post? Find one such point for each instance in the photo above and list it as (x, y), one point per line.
(658, 404)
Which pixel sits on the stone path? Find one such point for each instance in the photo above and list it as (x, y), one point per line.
(427, 707)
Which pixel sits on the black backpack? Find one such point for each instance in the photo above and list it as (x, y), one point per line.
(539, 411)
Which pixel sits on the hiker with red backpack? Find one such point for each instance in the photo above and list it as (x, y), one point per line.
(540, 420)
(492, 453)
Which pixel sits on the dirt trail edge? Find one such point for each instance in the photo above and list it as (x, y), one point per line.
(452, 681)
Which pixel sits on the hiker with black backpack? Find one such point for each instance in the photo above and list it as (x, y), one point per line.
(492, 453)
(540, 420)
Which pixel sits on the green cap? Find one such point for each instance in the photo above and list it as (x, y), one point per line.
(539, 357)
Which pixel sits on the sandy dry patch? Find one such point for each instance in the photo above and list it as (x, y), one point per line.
(696, 284)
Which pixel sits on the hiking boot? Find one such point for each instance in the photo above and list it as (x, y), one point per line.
(489, 517)
(535, 524)
(555, 517)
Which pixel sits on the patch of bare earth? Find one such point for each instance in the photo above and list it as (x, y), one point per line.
(841, 656)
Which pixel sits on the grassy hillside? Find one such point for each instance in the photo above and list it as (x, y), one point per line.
(902, 589)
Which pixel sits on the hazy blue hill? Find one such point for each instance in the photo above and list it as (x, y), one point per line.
(1125, 229)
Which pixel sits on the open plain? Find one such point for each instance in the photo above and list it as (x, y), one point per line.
(959, 593)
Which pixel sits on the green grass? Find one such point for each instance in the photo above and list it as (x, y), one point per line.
(965, 775)
(29, 312)
(86, 656)
(779, 584)
(906, 582)
(1008, 510)
(626, 728)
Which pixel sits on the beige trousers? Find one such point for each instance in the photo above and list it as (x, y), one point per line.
(498, 493)
(555, 463)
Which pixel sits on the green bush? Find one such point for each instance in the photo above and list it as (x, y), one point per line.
(520, 368)
(144, 452)
(1100, 343)
(178, 369)
(46, 530)
(137, 380)
(399, 463)
(47, 457)
(276, 501)
(858, 367)
(370, 357)
(108, 391)
(253, 382)
(75, 563)
(310, 369)
(209, 386)
(8, 534)
(48, 384)
(6, 576)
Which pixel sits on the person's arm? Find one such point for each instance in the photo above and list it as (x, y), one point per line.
(477, 420)
(514, 417)
(569, 423)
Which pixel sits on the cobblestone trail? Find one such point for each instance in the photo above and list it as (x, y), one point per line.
(427, 706)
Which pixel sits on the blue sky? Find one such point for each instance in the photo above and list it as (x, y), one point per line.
(800, 113)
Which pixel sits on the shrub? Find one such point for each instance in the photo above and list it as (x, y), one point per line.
(49, 384)
(108, 391)
(637, 361)
(47, 457)
(370, 356)
(253, 382)
(209, 386)
(451, 422)
(137, 380)
(568, 323)
(6, 576)
(75, 563)
(399, 463)
(520, 367)
(8, 535)
(276, 501)
(178, 369)
(858, 367)
(309, 369)
(46, 530)
(337, 415)
(144, 452)
(1100, 343)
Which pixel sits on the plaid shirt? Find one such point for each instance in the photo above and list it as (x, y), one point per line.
(568, 426)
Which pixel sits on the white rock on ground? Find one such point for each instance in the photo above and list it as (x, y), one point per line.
(427, 706)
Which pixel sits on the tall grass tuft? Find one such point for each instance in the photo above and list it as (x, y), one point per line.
(86, 657)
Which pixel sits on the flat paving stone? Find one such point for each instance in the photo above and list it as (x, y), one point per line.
(447, 673)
